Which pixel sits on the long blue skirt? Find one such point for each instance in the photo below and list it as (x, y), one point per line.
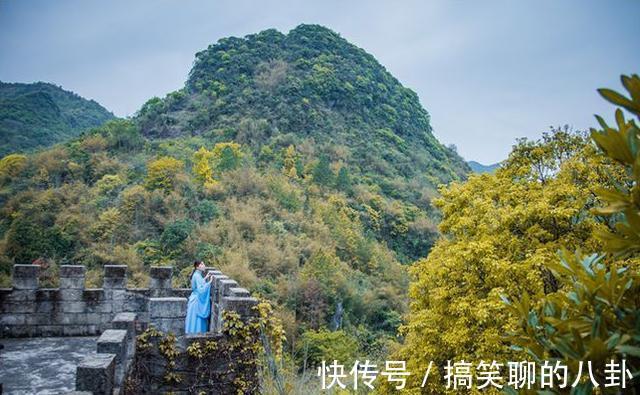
(194, 322)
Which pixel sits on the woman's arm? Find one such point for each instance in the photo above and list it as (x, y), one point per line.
(202, 285)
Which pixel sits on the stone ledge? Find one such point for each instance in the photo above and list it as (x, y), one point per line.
(240, 292)
(241, 305)
(113, 341)
(170, 307)
(72, 271)
(25, 276)
(96, 373)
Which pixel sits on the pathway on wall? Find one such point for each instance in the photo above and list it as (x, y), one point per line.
(42, 365)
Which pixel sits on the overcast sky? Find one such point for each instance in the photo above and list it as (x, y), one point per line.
(488, 72)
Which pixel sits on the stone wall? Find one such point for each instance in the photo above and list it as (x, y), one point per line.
(70, 310)
(73, 310)
(118, 314)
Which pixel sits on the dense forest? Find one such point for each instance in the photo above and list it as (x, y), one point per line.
(537, 262)
(294, 163)
(41, 114)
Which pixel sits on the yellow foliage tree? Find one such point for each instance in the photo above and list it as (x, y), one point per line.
(289, 167)
(11, 165)
(162, 173)
(595, 315)
(499, 233)
(202, 167)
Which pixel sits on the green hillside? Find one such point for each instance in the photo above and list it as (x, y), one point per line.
(41, 114)
(309, 88)
(294, 163)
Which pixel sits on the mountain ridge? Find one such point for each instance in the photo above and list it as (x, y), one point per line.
(274, 89)
(34, 115)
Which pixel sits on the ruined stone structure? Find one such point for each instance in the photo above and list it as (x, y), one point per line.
(117, 314)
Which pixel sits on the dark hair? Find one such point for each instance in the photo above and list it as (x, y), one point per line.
(196, 263)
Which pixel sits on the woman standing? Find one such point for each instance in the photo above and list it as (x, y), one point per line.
(199, 307)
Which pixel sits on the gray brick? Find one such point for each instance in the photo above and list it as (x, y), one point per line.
(72, 282)
(13, 319)
(241, 305)
(72, 271)
(237, 291)
(71, 294)
(113, 341)
(96, 373)
(25, 276)
(73, 307)
(168, 307)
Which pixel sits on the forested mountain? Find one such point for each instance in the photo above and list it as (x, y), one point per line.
(41, 114)
(477, 167)
(295, 163)
(313, 89)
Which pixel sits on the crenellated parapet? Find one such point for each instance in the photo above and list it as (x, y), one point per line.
(26, 309)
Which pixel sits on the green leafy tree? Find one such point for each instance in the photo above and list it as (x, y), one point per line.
(595, 315)
(227, 156)
(343, 180)
(322, 173)
(175, 234)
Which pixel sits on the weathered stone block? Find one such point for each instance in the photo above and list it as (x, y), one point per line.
(50, 330)
(160, 282)
(237, 291)
(94, 318)
(114, 282)
(21, 295)
(47, 294)
(19, 307)
(13, 319)
(215, 285)
(72, 276)
(25, 276)
(135, 303)
(241, 305)
(72, 282)
(117, 306)
(74, 319)
(106, 318)
(73, 307)
(116, 294)
(101, 307)
(113, 341)
(69, 294)
(167, 308)
(74, 330)
(37, 319)
(96, 373)
(125, 321)
(223, 289)
(44, 307)
(115, 276)
(92, 330)
(166, 325)
(72, 271)
(93, 295)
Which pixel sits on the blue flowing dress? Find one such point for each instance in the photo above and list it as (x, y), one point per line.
(199, 306)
